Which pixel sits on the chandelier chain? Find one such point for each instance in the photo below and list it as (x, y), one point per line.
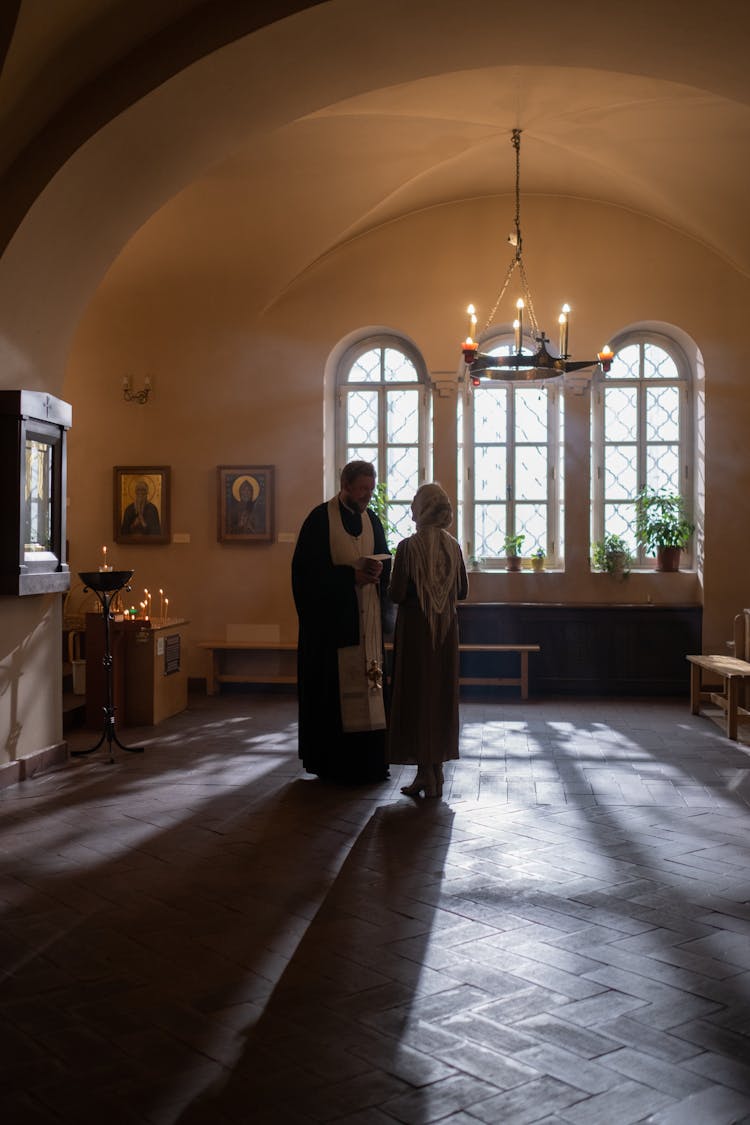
(516, 142)
(517, 262)
(523, 365)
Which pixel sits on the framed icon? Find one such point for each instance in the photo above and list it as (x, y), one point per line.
(141, 504)
(245, 508)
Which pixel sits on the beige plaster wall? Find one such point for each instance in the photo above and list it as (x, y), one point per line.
(236, 385)
(234, 382)
(30, 682)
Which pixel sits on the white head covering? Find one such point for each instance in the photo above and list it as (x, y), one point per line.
(433, 558)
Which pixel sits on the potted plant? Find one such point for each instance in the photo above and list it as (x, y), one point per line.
(537, 559)
(662, 526)
(611, 554)
(379, 505)
(512, 548)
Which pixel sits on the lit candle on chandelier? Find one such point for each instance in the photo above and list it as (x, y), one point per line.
(518, 325)
(564, 322)
(605, 357)
(469, 346)
(472, 323)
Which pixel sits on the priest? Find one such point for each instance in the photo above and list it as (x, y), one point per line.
(340, 573)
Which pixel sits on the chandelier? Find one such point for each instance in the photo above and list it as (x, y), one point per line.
(542, 366)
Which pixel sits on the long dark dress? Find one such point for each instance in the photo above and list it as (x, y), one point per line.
(423, 726)
(328, 612)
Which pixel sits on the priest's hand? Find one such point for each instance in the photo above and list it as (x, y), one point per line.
(367, 571)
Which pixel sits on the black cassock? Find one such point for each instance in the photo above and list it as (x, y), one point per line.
(328, 610)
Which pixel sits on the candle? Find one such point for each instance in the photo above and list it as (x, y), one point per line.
(605, 357)
(566, 314)
(161, 603)
(472, 322)
(166, 609)
(104, 559)
(563, 321)
(518, 325)
(469, 348)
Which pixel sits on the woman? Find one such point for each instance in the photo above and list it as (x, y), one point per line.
(428, 579)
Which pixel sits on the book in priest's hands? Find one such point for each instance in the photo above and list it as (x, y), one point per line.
(365, 562)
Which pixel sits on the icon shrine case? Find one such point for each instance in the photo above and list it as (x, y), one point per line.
(33, 431)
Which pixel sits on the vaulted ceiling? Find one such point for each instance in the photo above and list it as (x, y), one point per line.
(342, 115)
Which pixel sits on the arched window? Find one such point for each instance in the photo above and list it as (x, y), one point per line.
(512, 454)
(382, 416)
(640, 432)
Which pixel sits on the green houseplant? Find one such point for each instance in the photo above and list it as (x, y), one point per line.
(512, 548)
(379, 505)
(537, 559)
(612, 555)
(662, 526)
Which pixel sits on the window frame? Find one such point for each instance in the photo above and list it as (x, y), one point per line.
(343, 386)
(684, 383)
(555, 468)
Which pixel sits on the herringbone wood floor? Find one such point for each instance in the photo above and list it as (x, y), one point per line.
(205, 934)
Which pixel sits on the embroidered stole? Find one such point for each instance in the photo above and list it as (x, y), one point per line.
(360, 666)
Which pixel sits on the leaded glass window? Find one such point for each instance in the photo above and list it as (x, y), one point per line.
(640, 433)
(512, 456)
(382, 417)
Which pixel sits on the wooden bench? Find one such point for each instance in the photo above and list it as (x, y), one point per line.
(222, 670)
(522, 680)
(733, 674)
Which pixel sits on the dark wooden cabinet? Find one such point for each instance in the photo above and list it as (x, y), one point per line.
(33, 428)
(149, 678)
(592, 649)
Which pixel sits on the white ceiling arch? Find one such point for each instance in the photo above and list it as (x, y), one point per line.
(341, 117)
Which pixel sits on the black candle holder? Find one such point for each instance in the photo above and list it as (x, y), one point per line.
(106, 584)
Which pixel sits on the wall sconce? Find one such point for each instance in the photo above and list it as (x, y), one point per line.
(136, 396)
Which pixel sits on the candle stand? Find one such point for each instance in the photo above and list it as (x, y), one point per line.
(106, 584)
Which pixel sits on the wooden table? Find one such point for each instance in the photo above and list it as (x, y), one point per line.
(732, 674)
